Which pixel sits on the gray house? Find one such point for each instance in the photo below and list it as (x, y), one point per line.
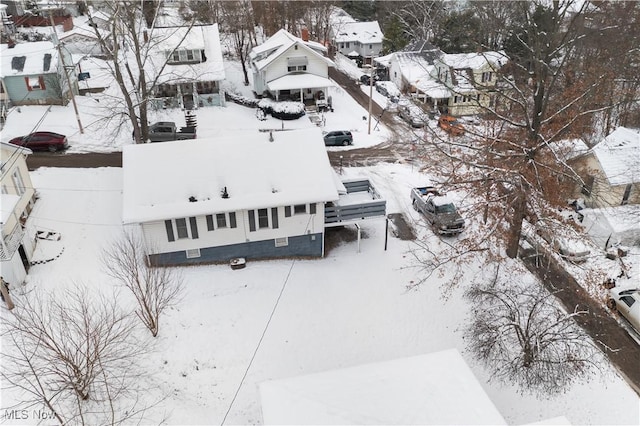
(33, 74)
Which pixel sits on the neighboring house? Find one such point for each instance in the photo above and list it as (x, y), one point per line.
(242, 195)
(471, 78)
(33, 74)
(433, 389)
(194, 68)
(412, 71)
(610, 171)
(82, 39)
(18, 198)
(613, 226)
(286, 67)
(358, 40)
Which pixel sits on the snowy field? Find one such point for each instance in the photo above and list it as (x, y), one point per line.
(350, 308)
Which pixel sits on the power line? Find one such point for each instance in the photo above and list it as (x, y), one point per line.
(264, 332)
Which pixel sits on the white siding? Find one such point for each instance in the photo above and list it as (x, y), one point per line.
(278, 68)
(155, 233)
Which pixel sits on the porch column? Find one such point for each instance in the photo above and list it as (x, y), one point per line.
(302, 95)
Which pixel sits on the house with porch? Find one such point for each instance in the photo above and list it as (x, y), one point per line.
(470, 77)
(18, 198)
(243, 194)
(361, 41)
(610, 171)
(194, 67)
(33, 73)
(286, 67)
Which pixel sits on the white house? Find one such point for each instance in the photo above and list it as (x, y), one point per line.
(434, 389)
(17, 200)
(194, 67)
(610, 171)
(244, 194)
(289, 68)
(358, 39)
(82, 39)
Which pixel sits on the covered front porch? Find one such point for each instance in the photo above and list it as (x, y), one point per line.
(189, 95)
(301, 87)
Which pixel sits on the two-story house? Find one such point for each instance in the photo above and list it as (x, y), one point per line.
(358, 40)
(18, 198)
(287, 67)
(470, 77)
(610, 171)
(34, 73)
(190, 66)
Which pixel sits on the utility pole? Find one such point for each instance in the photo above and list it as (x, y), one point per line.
(370, 96)
(66, 72)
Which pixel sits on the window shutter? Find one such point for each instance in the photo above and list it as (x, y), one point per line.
(312, 208)
(232, 220)
(252, 221)
(274, 217)
(26, 80)
(42, 86)
(287, 211)
(209, 222)
(194, 227)
(169, 226)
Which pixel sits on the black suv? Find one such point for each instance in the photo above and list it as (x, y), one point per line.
(338, 137)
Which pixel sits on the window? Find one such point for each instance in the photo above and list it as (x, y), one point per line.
(193, 253)
(274, 217)
(18, 182)
(282, 242)
(370, 46)
(486, 76)
(628, 300)
(300, 209)
(190, 56)
(221, 220)
(181, 228)
(588, 185)
(35, 83)
(627, 193)
(263, 218)
(194, 227)
(175, 57)
(169, 226)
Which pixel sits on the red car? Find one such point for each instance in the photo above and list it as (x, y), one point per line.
(42, 141)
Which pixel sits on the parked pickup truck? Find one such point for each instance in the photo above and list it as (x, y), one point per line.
(166, 131)
(438, 209)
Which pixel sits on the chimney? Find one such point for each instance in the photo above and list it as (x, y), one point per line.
(304, 34)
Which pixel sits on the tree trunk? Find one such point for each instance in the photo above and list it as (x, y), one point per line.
(515, 228)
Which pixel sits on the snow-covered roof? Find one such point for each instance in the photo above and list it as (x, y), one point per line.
(384, 61)
(267, 52)
(417, 70)
(203, 37)
(474, 61)
(437, 388)
(39, 57)
(299, 81)
(619, 156)
(100, 75)
(11, 147)
(159, 178)
(84, 31)
(363, 32)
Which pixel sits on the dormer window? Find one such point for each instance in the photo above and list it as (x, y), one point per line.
(185, 56)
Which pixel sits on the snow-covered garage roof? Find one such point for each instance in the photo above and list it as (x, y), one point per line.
(159, 178)
(39, 57)
(619, 156)
(437, 388)
(363, 32)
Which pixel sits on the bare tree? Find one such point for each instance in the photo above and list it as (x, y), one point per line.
(155, 288)
(239, 23)
(75, 354)
(138, 62)
(521, 334)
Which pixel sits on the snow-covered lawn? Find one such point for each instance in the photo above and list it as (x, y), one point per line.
(347, 309)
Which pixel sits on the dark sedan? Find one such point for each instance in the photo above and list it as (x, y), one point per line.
(42, 141)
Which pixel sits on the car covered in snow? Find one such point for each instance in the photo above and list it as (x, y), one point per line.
(566, 242)
(388, 89)
(412, 114)
(626, 300)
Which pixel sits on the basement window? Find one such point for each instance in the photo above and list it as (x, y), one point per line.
(193, 253)
(282, 242)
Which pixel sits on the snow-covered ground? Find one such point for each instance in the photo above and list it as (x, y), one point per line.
(350, 308)
(347, 309)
